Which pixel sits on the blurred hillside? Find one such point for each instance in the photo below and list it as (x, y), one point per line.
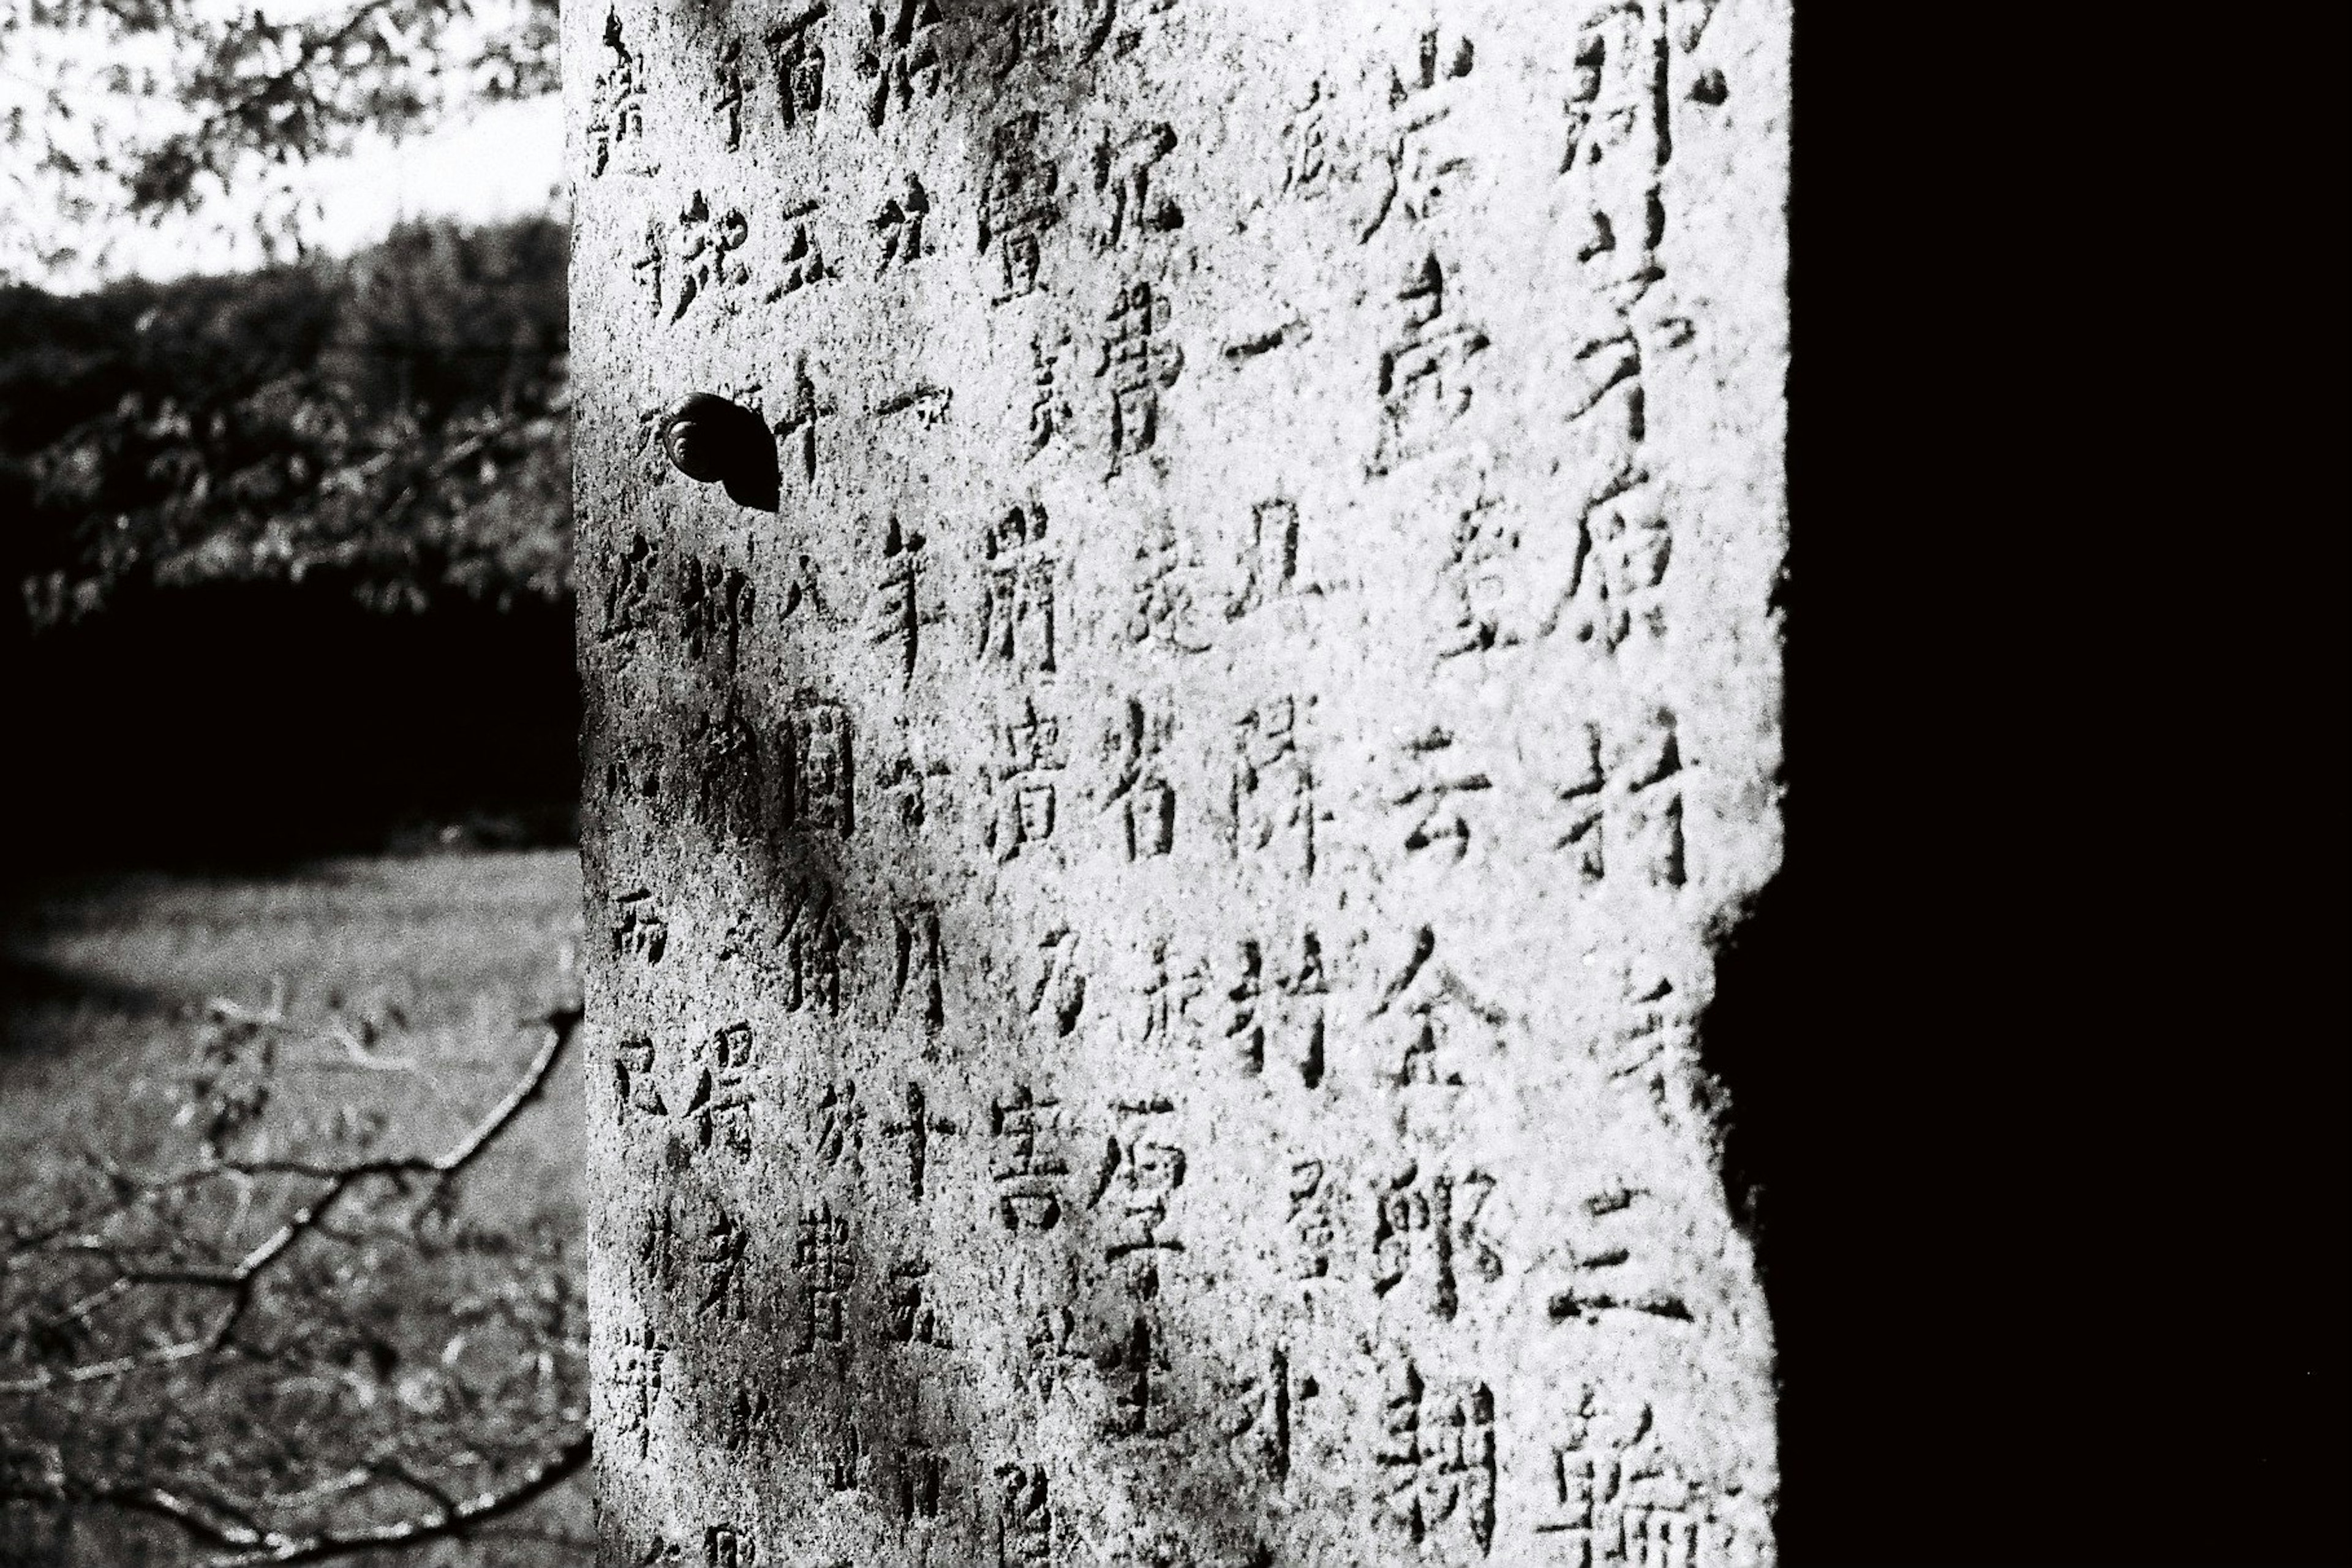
(288, 556)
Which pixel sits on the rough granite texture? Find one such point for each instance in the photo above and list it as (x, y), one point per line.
(1153, 920)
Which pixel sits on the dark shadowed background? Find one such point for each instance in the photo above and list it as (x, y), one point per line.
(289, 555)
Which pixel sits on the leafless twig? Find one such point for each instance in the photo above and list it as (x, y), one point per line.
(336, 1182)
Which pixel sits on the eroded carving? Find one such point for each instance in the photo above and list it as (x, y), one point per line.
(900, 60)
(1025, 1161)
(1026, 774)
(1018, 576)
(797, 58)
(1436, 1458)
(1624, 803)
(617, 106)
(1616, 1497)
(1018, 203)
(1424, 379)
(1139, 359)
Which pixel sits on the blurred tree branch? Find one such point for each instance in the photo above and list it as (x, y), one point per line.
(300, 1418)
(214, 1521)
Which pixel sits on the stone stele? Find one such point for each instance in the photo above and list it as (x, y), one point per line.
(1154, 867)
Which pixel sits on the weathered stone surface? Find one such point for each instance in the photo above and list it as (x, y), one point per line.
(1156, 915)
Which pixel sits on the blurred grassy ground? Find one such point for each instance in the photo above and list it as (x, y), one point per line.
(105, 982)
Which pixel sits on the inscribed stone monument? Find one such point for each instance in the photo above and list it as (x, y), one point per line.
(1154, 876)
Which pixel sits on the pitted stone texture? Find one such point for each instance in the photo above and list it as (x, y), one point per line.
(1157, 916)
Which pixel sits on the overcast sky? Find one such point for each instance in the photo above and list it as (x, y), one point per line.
(506, 161)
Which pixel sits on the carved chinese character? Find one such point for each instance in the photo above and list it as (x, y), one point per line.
(1137, 1179)
(910, 1316)
(1436, 1455)
(1306, 155)
(1438, 1025)
(702, 254)
(1131, 208)
(713, 609)
(720, 1107)
(804, 265)
(1049, 406)
(917, 970)
(1026, 775)
(898, 224)
(1610, 1273)
(1049, 1339)
(1141, 801)
(917, 789)
(1269, 559)
(628, 592)
(1243, 1027)
(1625, 544)
(1624, 803)
(1166, 608)
(1059, 996)
(1427, 1227)
(903, 597)
(843, 1460)
(836, 1123)
(1027, 31)
(1167, 1000)
(658, 1246)
(803, 408)
(1254, 1418)
(819, 790)
(1614, 1497)
(1026, 1172)
(1425, 372)
(616, 102)
(730, 783)
(1247, 1002)
(1016, 614)
(797, 54)
(647, 265)
(638, 929)
(1302, 988)
(1309, 1219)
(900, 60)
(918, 1127)
(638, 1371)
(1442, 789)
(1017, 204)
(635, 1087)
(728, 1546)
(1103, 24)
(1024, 1517)
(749, 1417)
(1653, 1023)
(634, 771)
(922, 1478)
(1139, 359)
(1421, 159)
(809, 947)
(729, 93)
(1271, 798)
(1611, 107)
(1134, 1367)
(822, 1258)
(719, 1264)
